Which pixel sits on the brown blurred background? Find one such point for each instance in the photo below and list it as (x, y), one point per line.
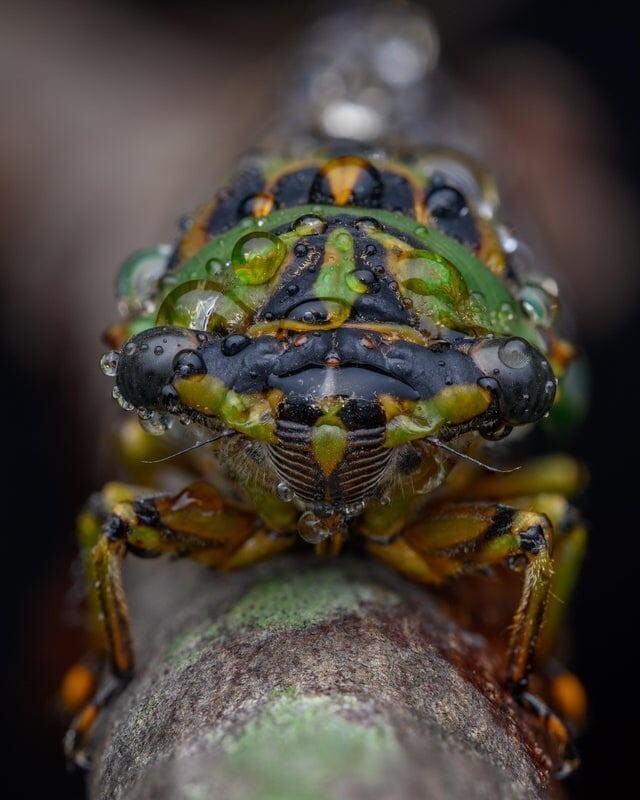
(119, 117)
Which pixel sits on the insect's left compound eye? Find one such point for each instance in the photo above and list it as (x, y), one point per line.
(151, 360)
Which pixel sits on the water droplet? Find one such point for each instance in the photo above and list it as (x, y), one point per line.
(234, 343)
(285, 492)
(354, 509)
(300, 250)
(385, 500)
(309, 317)
(213, 266)
(539, 306)
(309, 225)
(117, 396)
(188, 363)
(158, 350)
(311, 528)
(156, 424)
(292, 289)
(515, 353)
(361, 280)
(109, 363)
(139, 276)
(507, 238)
(421, 230)
(370, 250)
(184, 419)
(256, 257)
(199, 305)
(508, 311)
(367, 225)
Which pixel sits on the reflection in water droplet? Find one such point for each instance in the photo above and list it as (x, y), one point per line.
(361, 281)
(311, 529)
(213, 266)
(109, 363)
(155, 423)
(354, 509)
(309, 225)
(515, 354)
(285, 492)
(139, 276)
(121, 401)
(199, 305)
(508, 311)
(256, 257)
(367, 225)
(539, 305)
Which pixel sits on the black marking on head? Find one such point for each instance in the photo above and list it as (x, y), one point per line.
(451, 213)
(294, 187)
(362, 414)
(229, 208)
(398, 194)
(381, 302)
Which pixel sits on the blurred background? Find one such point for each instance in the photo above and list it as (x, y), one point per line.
(118, 117)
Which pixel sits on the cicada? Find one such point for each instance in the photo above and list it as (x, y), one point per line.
(331, 350)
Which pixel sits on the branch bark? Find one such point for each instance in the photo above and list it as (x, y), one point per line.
(309, 680)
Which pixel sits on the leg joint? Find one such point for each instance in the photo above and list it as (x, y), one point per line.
(115, 528)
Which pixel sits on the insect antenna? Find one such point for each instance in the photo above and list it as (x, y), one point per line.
(224, 435)
(437, 443)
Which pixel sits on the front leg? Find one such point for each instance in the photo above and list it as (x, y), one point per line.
(195, 523)
(455, 538)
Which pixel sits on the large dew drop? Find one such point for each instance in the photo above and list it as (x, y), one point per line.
(256, 257)
(199, 305)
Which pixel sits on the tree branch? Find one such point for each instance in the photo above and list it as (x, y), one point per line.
(310, 680)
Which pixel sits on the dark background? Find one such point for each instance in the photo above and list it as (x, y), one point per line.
(121, 116)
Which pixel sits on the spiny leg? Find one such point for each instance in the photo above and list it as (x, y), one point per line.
(458, 537)
(195, 523)
(543, 485)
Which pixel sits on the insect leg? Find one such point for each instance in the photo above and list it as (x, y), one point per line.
(456, 537)
(195, 523)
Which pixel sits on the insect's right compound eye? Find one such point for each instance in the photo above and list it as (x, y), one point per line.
(150, 361)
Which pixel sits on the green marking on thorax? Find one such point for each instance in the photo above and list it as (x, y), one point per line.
(457, 281)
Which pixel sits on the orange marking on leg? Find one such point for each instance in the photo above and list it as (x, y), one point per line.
(78, 687)
(569, 697)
